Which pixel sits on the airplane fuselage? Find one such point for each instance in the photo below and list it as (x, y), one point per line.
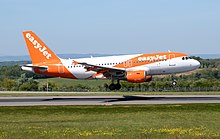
(167, 64)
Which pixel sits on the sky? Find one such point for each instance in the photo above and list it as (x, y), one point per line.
(112, 26)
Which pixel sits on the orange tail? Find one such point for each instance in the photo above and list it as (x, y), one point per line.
(39, 52)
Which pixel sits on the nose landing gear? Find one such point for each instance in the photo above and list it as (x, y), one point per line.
(174, 82)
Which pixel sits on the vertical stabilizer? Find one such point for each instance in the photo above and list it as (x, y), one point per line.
(39, 52)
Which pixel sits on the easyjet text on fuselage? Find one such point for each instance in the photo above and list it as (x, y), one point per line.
(152, 58)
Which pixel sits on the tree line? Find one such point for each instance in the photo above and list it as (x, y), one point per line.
(207, 78)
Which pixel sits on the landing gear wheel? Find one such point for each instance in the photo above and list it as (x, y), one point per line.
(112, 87)
(174, 83)
(118, 86)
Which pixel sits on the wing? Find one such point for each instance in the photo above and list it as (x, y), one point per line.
(107, 71)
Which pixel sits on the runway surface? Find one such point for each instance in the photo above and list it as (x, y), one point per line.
(108, 100)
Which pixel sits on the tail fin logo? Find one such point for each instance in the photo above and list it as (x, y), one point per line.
(38, 46)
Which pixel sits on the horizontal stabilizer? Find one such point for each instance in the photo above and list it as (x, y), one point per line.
(30, 67)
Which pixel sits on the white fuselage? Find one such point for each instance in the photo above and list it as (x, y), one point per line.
(169, 66)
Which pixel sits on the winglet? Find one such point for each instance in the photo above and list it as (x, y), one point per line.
(75, 62)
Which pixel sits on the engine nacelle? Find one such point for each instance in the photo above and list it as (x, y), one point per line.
(139, 76)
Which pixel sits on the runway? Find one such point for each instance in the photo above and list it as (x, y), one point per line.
(108, 100)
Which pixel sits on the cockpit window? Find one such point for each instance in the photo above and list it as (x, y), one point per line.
(186, 58)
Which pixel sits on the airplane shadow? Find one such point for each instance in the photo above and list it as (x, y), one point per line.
(134, 98)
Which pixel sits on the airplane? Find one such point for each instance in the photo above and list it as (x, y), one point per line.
(135, 68)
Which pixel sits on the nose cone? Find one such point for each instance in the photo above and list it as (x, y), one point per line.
(195, 64)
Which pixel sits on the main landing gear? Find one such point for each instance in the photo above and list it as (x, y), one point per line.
(113, 86)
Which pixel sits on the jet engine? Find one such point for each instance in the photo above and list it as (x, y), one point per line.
(139, 76)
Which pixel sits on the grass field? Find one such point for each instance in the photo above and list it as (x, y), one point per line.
(133, 121)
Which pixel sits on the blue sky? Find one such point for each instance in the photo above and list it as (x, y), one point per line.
(112, 26)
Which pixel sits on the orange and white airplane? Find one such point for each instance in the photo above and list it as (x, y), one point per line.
(136, 68)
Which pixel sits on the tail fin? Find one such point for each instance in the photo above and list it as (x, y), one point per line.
(39, 52)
